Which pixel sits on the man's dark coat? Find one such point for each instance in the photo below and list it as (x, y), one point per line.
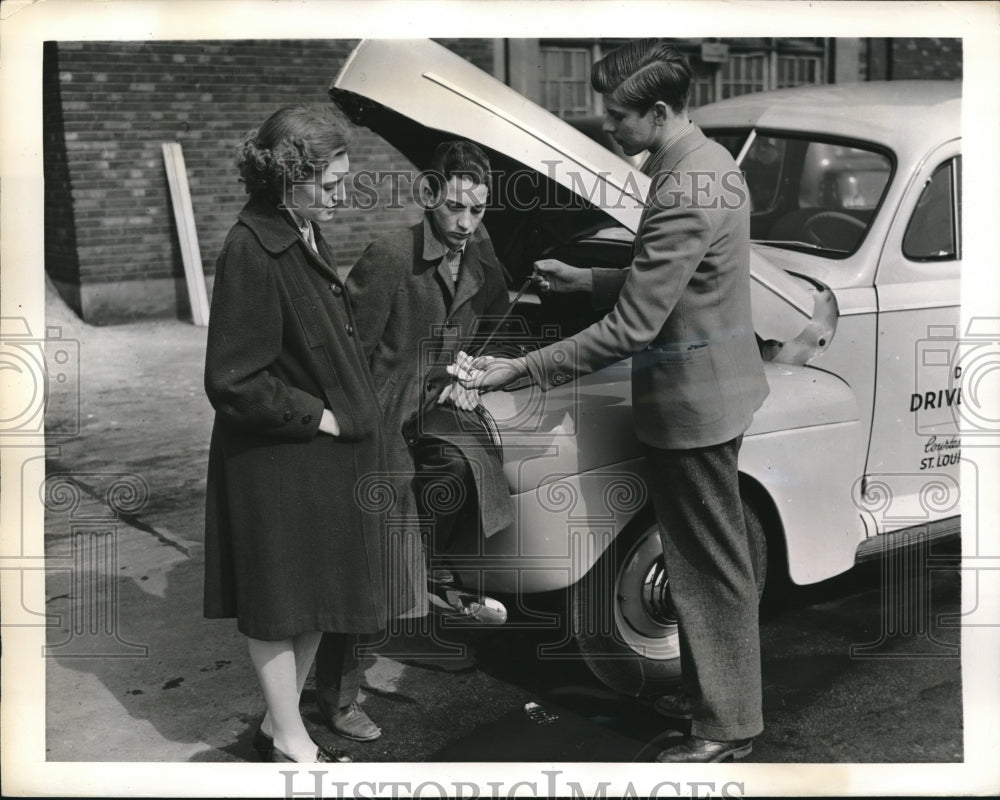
(410, 317)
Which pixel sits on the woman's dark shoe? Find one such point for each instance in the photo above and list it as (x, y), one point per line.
(695, 750)
(323, 756)
(263, 744)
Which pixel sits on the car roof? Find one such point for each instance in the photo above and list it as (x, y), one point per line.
(908, 117)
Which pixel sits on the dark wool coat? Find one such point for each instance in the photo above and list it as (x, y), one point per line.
(294, 539)
(410, 318)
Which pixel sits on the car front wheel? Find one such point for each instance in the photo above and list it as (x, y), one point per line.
(623, 618)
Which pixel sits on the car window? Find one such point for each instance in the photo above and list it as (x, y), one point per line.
(932, 232)
(762, 167)
(733, 142)
(809, 193)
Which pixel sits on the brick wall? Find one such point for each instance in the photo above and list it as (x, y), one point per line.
(936, 59)
(907, 58)
(110, 242)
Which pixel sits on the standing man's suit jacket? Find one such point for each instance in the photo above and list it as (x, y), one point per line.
(411, 317)
(683, 312)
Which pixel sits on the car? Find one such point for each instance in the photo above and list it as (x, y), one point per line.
(855, 195)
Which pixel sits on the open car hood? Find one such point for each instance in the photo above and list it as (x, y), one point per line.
(414, 92)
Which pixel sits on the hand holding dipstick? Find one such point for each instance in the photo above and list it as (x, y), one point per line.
(534, 277)
(486, 373)
(553, 275)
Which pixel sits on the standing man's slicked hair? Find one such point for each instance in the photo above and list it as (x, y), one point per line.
(641, 72)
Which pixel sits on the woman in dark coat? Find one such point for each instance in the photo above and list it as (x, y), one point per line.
(293, 548)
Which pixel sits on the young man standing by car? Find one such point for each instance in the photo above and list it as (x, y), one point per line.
(418, 294)
(683, 315)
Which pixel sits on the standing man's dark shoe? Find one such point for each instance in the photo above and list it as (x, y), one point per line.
(676, 706)
(695, 750)
(351, 721)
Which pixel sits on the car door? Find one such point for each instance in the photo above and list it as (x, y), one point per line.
(912, 471)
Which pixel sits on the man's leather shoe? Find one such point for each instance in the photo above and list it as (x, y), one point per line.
(695, 750)
(353, 723)
(323, 756)
(676, 706)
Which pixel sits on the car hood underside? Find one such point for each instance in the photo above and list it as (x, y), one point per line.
(415, 93)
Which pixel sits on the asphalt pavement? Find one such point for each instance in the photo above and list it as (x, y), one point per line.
(863, 668)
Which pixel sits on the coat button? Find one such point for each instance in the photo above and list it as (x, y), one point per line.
(350, 330)
(429, 387)
(289, 416)
(335, 288)
(307, 419)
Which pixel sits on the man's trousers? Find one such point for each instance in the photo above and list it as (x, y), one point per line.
(338, 669)
(707, 554)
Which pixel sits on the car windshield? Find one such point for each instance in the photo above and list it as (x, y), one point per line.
(807, 193)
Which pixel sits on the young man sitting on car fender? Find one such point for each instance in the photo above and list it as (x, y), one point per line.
(419, 293)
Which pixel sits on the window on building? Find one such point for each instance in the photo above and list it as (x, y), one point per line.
(743, 74)
(798, 71)
(755, 71)
(755, 65)
(702, 87)
(565, 81)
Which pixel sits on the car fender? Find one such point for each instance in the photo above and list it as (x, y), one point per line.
(804, 450)
(575, 428)
(560, 530)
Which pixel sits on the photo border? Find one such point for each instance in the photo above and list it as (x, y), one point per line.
(24, 26)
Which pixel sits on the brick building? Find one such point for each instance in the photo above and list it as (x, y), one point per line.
(111, 246)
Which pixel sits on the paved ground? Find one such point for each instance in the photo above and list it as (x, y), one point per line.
(156, 682)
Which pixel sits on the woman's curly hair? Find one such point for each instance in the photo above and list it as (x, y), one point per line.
(294, 140)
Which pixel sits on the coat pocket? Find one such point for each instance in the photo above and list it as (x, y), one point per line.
(357, 421)
(676, 389)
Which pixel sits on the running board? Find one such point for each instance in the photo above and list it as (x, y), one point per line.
(879, 545)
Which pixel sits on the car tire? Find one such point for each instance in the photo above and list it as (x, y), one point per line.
(622, 616)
